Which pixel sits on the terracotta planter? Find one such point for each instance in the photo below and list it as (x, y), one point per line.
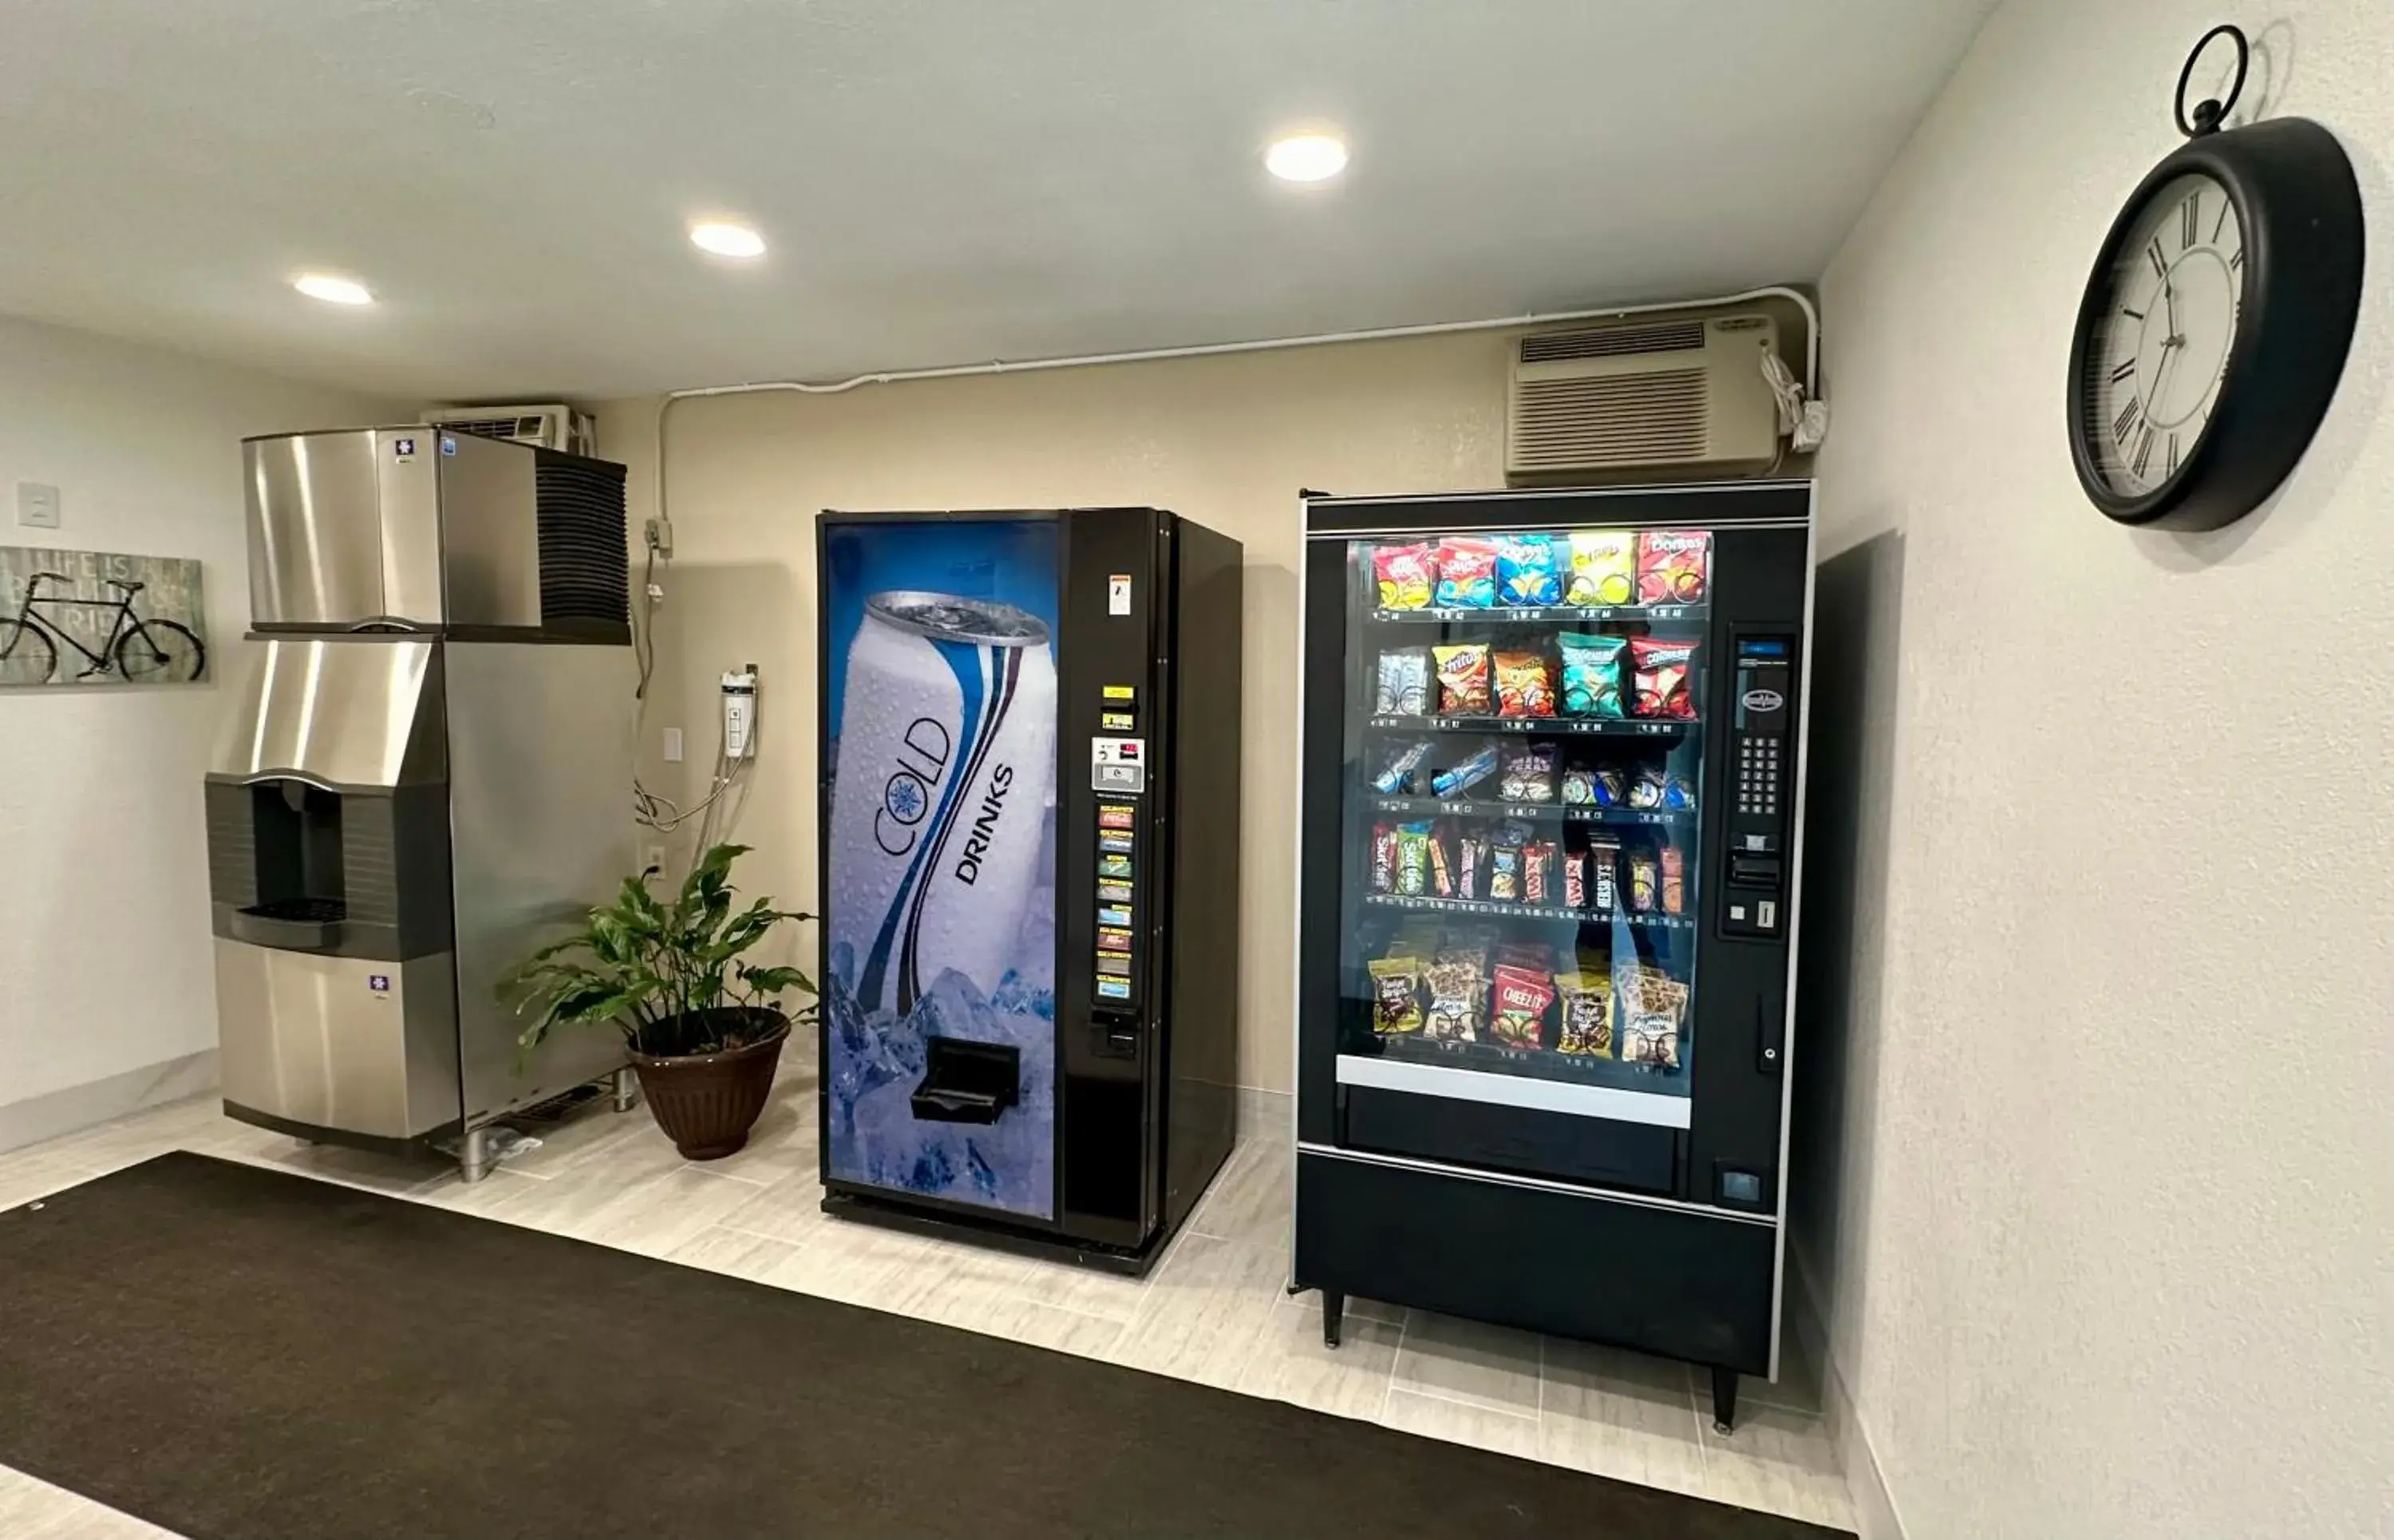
(707, 1103)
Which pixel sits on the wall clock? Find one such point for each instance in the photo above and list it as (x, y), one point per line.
(2215, 324)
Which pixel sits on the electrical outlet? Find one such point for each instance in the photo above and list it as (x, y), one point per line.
(653, 855)
(37, 505)
(659, 533)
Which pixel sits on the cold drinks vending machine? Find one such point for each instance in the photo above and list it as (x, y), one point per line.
(1029, 831)
(1552, 789)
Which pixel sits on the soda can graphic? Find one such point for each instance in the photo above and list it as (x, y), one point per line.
(946, 753)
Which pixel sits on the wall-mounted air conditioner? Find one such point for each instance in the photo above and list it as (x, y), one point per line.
(1643, 395)
(552, 426)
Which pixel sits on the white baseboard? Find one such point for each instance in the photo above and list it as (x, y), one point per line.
(1875, 1514)
(97, 1102)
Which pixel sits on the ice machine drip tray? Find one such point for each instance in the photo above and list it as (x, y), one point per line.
(291, 924)
(965, 1082)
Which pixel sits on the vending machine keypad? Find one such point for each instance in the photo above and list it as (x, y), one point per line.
(1752, 889)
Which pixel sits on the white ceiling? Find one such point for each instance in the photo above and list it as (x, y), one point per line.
(942, 180)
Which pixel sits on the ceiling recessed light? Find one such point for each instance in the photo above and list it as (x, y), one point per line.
(333, 290)
(727, 240)
(1307, 157)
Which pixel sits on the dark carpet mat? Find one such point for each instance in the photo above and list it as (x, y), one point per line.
(242, 1354)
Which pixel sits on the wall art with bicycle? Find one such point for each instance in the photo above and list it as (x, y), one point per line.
(98, 617)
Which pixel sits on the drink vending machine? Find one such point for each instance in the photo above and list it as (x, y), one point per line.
(1552, 785)
(1029, 830)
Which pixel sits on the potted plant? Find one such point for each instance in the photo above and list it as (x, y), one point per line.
(705, 1027)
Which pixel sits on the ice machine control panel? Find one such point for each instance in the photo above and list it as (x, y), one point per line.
(1753, 888)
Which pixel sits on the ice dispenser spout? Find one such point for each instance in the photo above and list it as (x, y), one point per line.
(967, 1082)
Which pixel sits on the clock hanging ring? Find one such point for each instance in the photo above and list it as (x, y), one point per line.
(2217, 321)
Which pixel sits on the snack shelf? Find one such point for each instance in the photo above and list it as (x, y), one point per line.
(1617, 726)
(1549, 614)
(1490, 1053)
(1533, 911)
(1542, 811)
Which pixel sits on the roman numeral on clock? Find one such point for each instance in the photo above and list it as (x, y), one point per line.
(2236, 259)
(2126, 371)
(2172, 455)
(2144, 452)
(2153, 250)
(2189, 218)
(2125, 423)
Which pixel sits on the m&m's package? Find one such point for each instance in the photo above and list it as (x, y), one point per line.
(1603, 567)
(1527, 571)
(1663, 678)
(1673, 566)
(1463, 680)
(1525, 685)
(1405, 575)
(1466, 574)
(1591, 674)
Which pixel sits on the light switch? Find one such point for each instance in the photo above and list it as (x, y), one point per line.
(673, 745)
(37, 505)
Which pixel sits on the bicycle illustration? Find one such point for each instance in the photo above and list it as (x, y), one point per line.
(152, 651)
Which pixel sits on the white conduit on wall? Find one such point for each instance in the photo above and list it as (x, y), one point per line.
(1211, 349)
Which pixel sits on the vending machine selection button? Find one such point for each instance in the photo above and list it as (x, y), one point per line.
(1113, 940)
(1113, 892)
(1116, 815)
(1118, 844)
(1114, 866)
(1114, 989)
(1113, 916)
(1113, 963)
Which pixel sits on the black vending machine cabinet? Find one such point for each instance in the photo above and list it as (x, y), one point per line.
(1028, 825)
(1552, 789)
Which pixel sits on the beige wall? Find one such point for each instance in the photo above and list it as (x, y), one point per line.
(1228, 441)
(107, 983)
(2108, 1243)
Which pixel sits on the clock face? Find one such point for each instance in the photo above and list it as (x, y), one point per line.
(2158, 352)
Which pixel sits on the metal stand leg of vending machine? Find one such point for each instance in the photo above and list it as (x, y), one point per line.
(1334, 1309)
(1724, 1399)
(627, 1089)
(474, 1155)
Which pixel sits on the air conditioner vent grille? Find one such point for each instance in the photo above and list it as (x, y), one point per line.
(584, 569)
(496, 427)
(1597, 421)
(1612, 342)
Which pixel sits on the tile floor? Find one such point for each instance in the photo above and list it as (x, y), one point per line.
(1214, 1309)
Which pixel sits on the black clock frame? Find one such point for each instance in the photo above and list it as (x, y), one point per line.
(2299, 206)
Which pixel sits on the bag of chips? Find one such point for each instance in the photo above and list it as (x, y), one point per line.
(1457, 779)
(1395, 779)
(1525, 685)
(1603, 567)
(1526, 571)
(1396, 995)
(1466, 574)
(1663, 676)
(1649, 1008)
(1673, 566)
(1405, 575)
(1591, 674)
(1463, 680)
(1456, 1001)
(1675, 881)
(1529, 774)
(1586, 1014)
(1653, 1041)
(1403, 683)
(1519, 1015)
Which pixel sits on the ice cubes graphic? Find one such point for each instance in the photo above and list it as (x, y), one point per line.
(876, 1062)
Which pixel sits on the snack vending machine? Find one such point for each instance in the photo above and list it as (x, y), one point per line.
(1552, 788)
(1030, 836)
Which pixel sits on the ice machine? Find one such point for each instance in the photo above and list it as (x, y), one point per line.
(422, 781)
(1029, 827)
